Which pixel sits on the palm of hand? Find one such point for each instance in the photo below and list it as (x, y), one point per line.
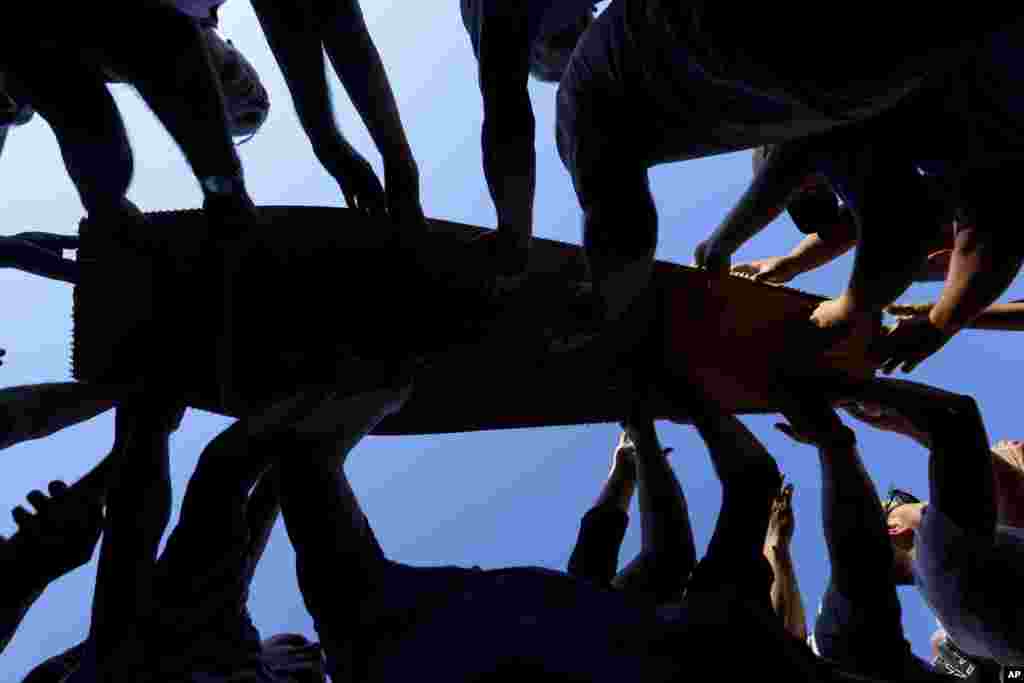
(782, 522)
(770, 270)
(64, 531)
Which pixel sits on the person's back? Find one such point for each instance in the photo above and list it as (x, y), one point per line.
(547, 625)
(970, 582)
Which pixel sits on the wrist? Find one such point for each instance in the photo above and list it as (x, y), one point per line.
(778, 550)
(20, 567)
(622, 471)
(943, 319)
(399, 161)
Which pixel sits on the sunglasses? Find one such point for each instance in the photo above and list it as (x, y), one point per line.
(898, 497)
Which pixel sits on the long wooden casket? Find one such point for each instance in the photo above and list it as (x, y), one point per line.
(328, 296)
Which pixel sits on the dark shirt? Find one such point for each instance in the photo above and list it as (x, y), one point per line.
(633, 84)
(544, 625)
(866, 636)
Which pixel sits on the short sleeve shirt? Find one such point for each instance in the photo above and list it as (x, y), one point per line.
(972, 583)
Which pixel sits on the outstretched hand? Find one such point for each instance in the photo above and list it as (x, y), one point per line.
(782, 522)
(885, 419)
(909, 311)
(361, 187)
(706, 257)
(812, 420)
(909, 343)
(832, 314)
(63, 532)
(55, 244)
(777, 270)
(505, 250)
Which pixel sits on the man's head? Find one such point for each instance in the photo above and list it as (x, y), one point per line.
(551, 51)
(247, 102)
(902, 518)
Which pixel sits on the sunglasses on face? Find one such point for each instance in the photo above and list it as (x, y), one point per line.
(898, 497)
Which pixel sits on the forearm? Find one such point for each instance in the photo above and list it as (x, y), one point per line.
(1008, 317)
(16, 605)
(666, 535)
(362, 74)
(890, 193)
(786, 599)
(595, 556)
(138, 510)
(510, 162)
(960, 475)
(981, 268)
(858, 544)
(884, 267)
(813, 252)
(618, 487)
(1008, 484)
(764, 199)
(38, 410)
(29, 258)
(262, 511)
(23, 584)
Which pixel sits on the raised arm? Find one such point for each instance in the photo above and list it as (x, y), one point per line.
(775, 182)
(358, 64)
(35, 256)
(812, 252)
(138, 509)
(38, 410)
(508, 133)
(786, 599)
(960, 464)
(262, 511)
(595, 556)
(888, 192)
(57, 539)
(667, 552)
(860, 553)
(293, 32)
(1008, 317)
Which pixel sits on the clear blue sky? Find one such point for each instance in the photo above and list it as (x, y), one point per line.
(491, 499)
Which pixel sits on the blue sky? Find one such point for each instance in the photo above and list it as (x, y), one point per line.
(489, 499)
